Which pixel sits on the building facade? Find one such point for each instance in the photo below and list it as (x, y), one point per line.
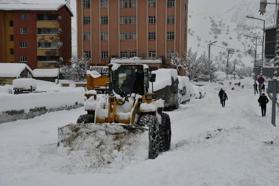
(36, 34)
(128, 28)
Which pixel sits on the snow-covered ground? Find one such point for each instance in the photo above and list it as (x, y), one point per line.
(211, 145)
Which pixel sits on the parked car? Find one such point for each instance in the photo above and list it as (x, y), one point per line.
(166, 87)
(185, 90)
(24, 85)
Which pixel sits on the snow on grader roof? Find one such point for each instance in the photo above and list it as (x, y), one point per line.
(12, 69)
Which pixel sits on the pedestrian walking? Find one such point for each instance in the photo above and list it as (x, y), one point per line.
(255, 85)
(223, 97)
(263, 87)
(263, 100)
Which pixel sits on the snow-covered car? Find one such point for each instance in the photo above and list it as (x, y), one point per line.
(166, 87)
(185, 90)
(199, 91)
(22, 85)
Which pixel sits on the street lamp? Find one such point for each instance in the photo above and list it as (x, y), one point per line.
(256, 46)
(259, 19)
(209, 61)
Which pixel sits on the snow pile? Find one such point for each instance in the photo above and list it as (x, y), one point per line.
(12, 69)
(220, 76)
(93, 73)
(24, 83)
(7, 89)
(49, 100)
(164, 77)
(46, 72)
(100, 144)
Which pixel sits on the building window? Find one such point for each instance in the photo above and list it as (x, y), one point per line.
(104, 36)
(128, 54)
(11, 23)
(86, 36)
(170, 35)
(22, 44)
(133, 54)
(86, 20)
(127, 3)
(87, 54)
(151, 36)
(11, 37)
(23, 30)
(23, 59)
(124, 54)
(46, 44)
(104, 20)
(47, 17)
(128, 36)
(151, 19)
(104, 3)
(128, 20)
(48, 58)
(86, 3)
(152, 53)
(23, 17)
(11, 51)
(48, 30)
(171, 20)
(171, 3)
(151, 3)
(104, 54)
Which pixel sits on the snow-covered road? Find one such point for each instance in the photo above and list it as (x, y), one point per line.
(211, 145)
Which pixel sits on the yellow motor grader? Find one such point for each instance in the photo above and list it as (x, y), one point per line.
(128, 109)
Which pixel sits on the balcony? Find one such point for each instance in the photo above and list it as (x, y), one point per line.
(48, 24)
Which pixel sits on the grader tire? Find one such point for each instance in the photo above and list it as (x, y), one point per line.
(154, 136)
(165, 133)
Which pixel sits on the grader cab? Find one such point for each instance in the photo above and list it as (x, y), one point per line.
(127, 109)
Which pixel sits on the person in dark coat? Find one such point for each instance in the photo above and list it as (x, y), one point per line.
(223, 97)
(255, 88)
(263, 100)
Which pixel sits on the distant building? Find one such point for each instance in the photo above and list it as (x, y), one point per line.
(37, 33)
(11, 71)
(128, 28)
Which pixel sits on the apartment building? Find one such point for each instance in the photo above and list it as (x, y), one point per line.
(37, 33)
(128, 28)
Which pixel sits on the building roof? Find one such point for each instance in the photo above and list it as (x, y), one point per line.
(39, 5)
(136, 60)
(11, 70)
(39, 72)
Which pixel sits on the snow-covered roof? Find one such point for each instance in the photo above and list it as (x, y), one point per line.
(93, 73)
(46, 72)
(31, 5)
(136, 60)
(12, 69)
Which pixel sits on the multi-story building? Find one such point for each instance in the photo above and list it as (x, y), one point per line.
(127, 28)
(36, 33)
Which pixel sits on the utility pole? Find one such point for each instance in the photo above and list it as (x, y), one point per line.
(263, 38)
(209, 60)
(230, 51)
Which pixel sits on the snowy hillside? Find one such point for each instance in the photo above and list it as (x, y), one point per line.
(225, 21)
